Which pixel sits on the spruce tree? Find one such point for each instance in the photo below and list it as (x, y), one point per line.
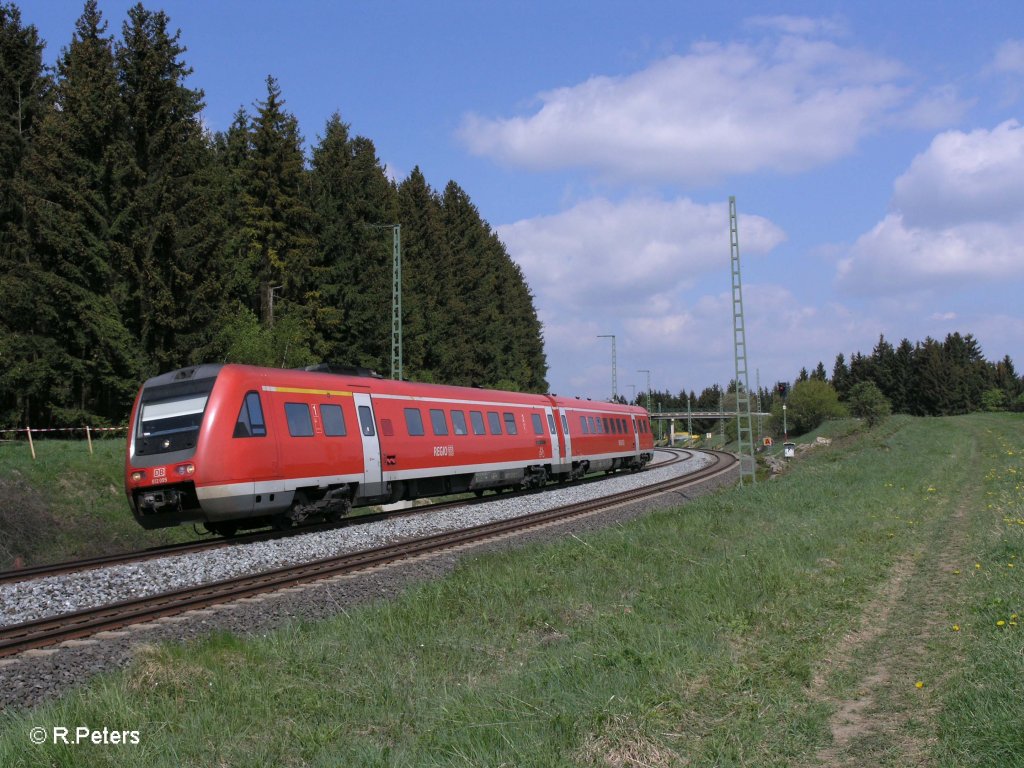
(162, 226)
(354, 205)
(424, 294)
(72, 189)
(25, 91)
(840, 376)
(277, 217)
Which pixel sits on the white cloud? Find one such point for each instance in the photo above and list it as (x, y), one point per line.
(785, 104)
(798, 25)
(959, 217)
(965, 177)
(1009, 58)
(636, 269)
(650, 246)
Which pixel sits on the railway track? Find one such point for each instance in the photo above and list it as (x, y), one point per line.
(70, 626)
(102, 561)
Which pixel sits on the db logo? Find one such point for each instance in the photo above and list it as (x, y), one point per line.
(160, 472)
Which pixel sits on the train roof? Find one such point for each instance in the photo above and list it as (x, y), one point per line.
(329, 377)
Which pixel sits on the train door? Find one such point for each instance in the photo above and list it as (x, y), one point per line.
(556, 444)
(563, 420)
(372, 483)
(636, 435)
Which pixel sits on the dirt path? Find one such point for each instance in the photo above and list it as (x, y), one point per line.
(886, 719)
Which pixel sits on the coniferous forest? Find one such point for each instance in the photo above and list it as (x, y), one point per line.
(133, 241)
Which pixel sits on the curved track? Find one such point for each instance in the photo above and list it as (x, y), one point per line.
(44, 632)
(101, 561)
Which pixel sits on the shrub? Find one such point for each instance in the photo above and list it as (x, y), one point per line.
(867, 402)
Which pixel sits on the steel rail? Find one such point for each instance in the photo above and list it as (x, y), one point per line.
(202, 545)
(69, 626)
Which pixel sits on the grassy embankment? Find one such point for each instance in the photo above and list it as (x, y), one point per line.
(863, 609)
(67, 503)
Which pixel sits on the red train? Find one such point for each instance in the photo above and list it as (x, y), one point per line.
(236, 446)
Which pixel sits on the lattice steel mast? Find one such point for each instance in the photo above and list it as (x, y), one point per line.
(396, 305)
(744, 430)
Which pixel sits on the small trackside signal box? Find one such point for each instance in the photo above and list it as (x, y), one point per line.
(789, 450)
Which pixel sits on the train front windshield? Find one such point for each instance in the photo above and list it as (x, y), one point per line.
(170, 417)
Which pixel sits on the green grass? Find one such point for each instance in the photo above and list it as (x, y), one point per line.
(726, 632)
(68, 503)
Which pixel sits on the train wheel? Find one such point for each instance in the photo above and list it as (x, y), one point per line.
(281, 522)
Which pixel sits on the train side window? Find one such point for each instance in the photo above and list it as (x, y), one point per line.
(477, 419)
(510, 423)
(334, 420)
(551, 423)
(414, 421)
(250, 418)
(607, 426)
(494, 421)
(300, 423)
(459, 423)
(565, 424)
(590, 425)
(438, 421)
(600, 425)
(366, 421)
(584, 425)
(538, 424)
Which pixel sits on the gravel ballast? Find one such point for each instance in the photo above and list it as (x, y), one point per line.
(36, 676)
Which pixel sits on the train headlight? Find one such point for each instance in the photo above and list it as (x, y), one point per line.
(185, 469)
(138, 476)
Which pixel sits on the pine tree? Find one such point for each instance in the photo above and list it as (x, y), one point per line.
(72, 189)
(903, 372)
(24, 98)
(25, 92)
(934, 391)
(424, 260)
(277, 217)
(883, 368)
(163, 224)
(840, 376)
(354, 206)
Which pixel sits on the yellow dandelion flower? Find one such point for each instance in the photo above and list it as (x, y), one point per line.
(956, 627)
(1000, 623)
(956, 571)
(919, 684)
(977, 566)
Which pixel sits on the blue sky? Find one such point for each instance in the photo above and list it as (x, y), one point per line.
(874, 149)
